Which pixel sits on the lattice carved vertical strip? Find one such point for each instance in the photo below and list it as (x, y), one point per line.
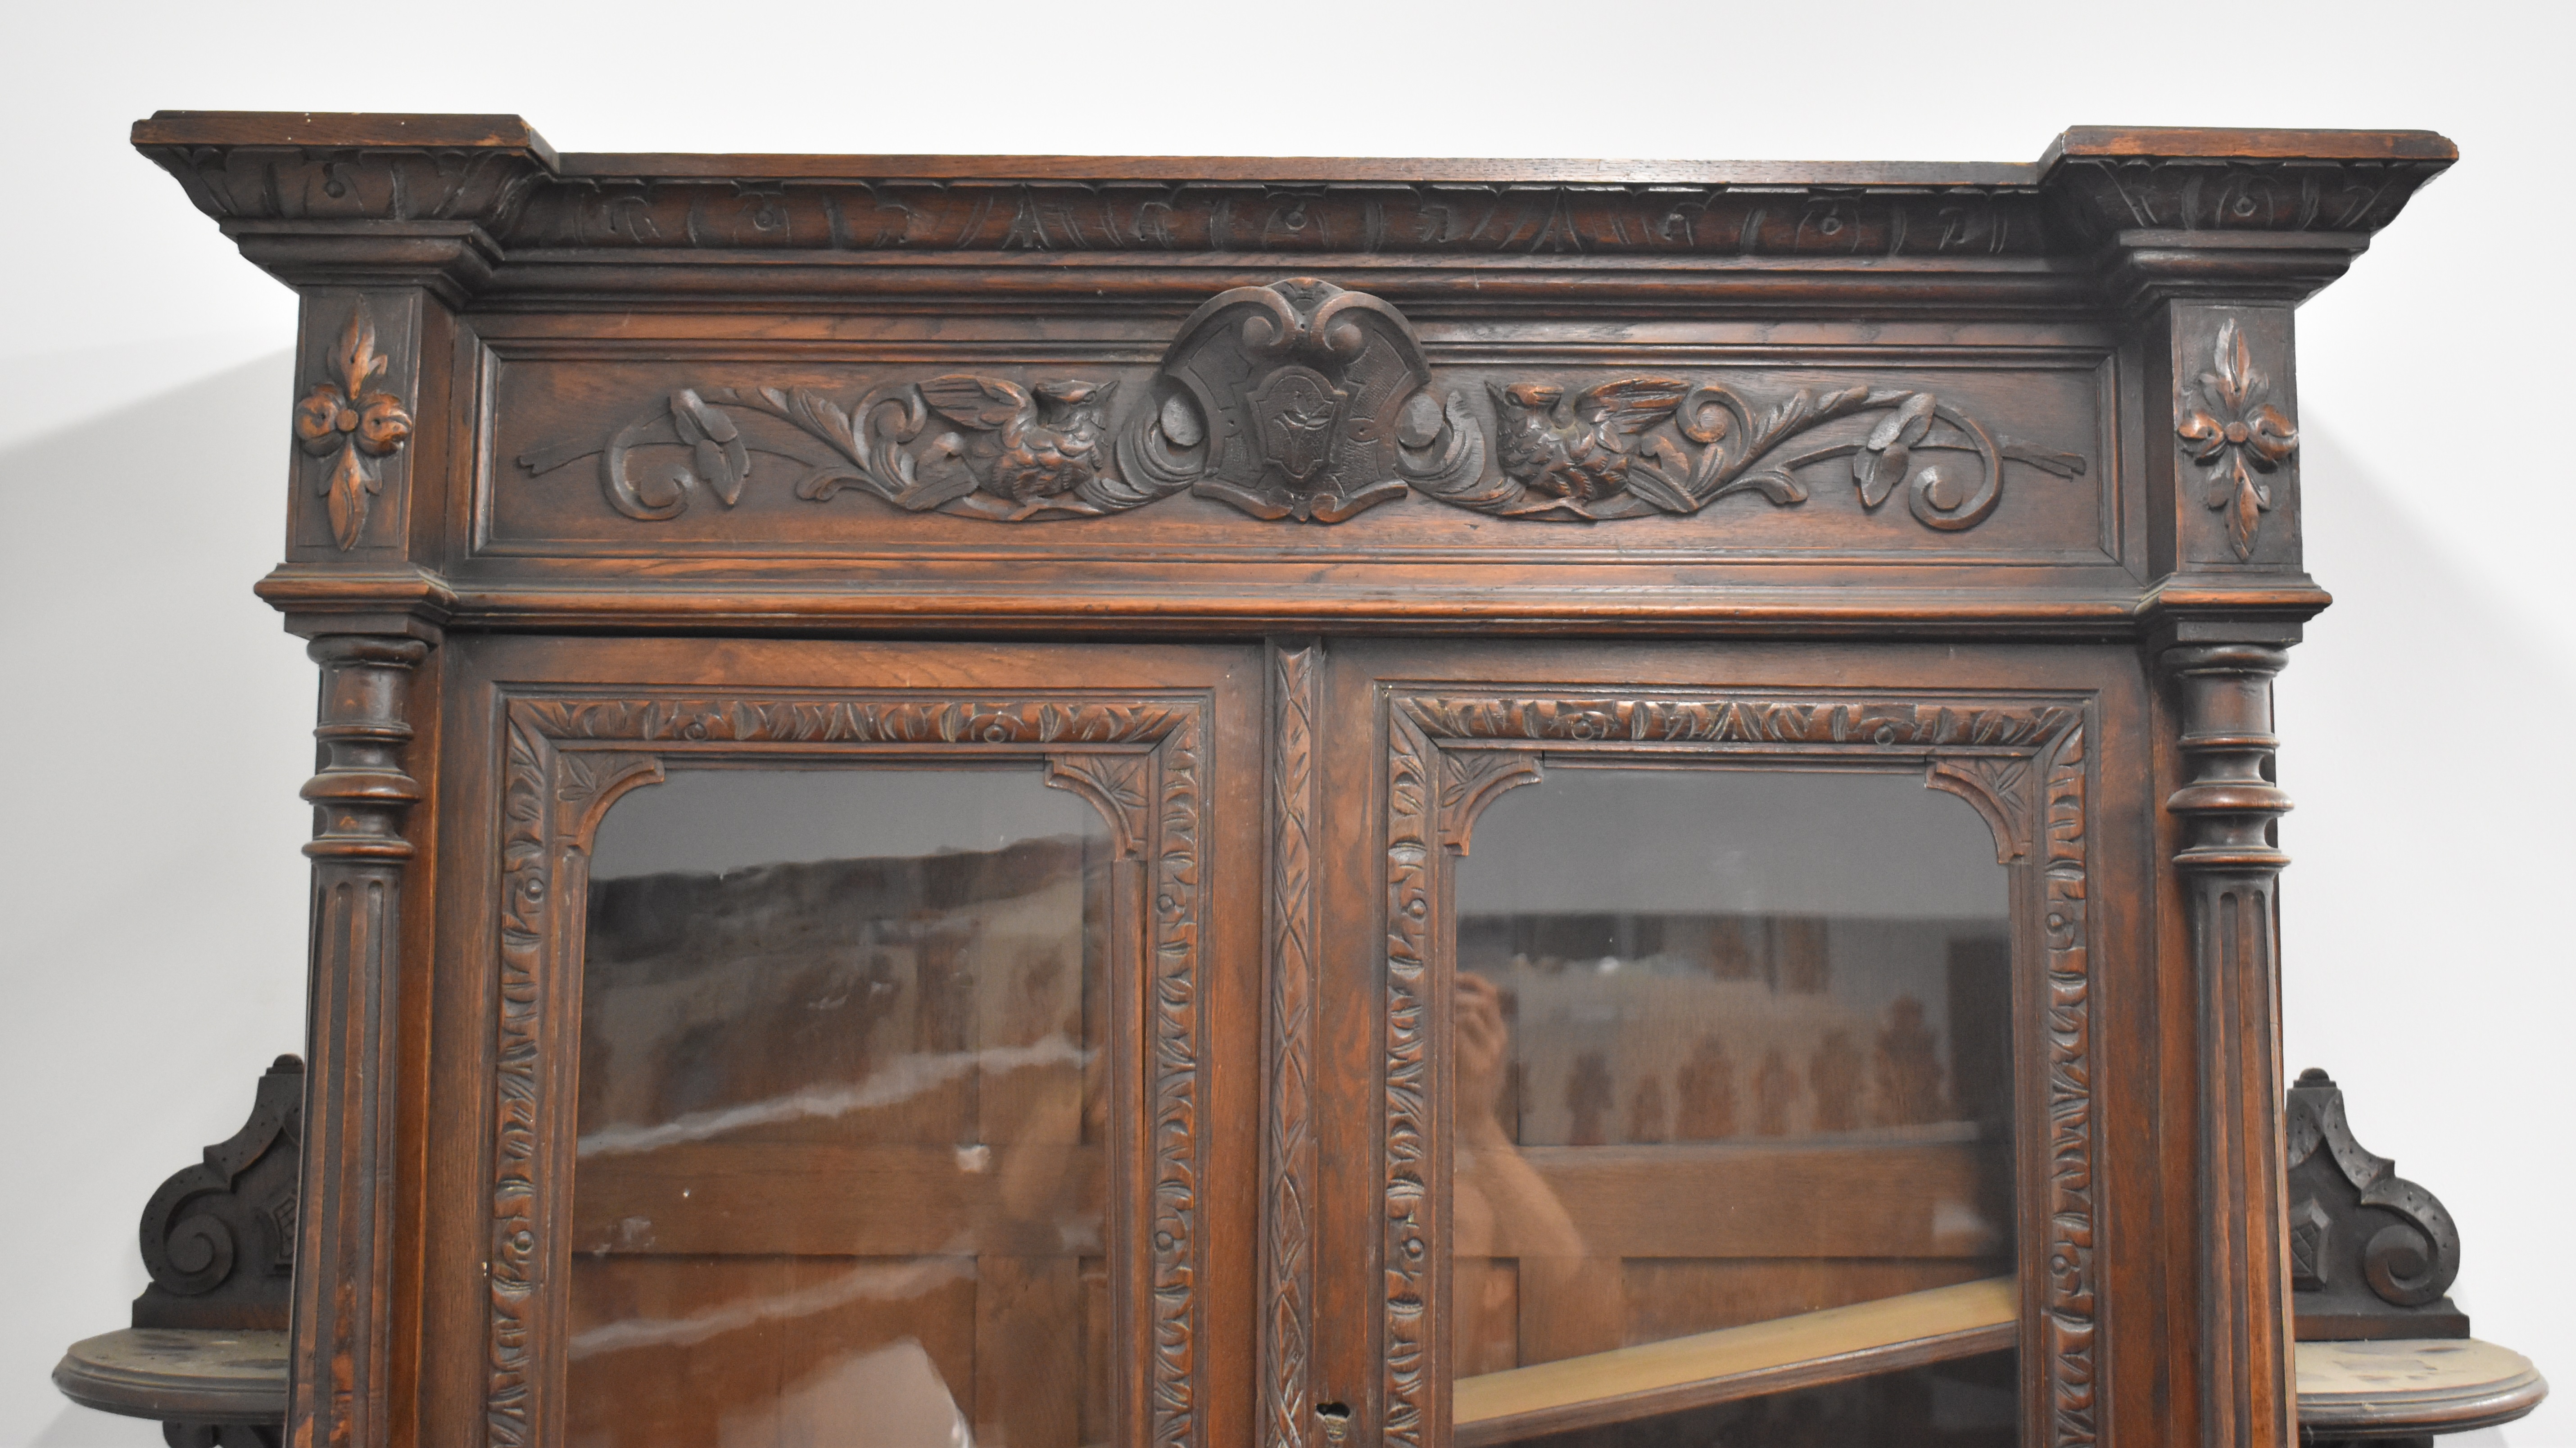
(1289, 1146)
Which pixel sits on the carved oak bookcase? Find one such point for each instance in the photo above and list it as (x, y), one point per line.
(1311, 803)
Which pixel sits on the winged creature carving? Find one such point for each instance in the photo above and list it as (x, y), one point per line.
(1581, 448)
(1032, 442)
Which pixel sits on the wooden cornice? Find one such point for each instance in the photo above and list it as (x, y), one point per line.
(477, 203)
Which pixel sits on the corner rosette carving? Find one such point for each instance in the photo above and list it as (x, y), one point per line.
(2235, 432)
(345, 420)
(1300, 400)
(1601, 453)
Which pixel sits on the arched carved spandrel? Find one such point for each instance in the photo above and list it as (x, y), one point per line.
(1115, 784)
(1999, 788)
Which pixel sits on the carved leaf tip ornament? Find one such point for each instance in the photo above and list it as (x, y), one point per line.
(2237, 434)
(343, 418)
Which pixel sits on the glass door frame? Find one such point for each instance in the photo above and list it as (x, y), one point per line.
(1456, 726)
(1162, 741)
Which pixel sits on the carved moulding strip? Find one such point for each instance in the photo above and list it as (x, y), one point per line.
(569, 758)
(1372, 218)
(1299, 400)
(1289, 1146)
(1450, 754)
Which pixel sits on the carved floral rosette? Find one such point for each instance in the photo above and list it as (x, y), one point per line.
(567, 759)
(1300, 400)
(2022, 762)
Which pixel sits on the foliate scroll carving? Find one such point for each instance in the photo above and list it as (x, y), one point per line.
(1449, 754)
(567, 760)
(2371, 1252)
(1299, 400)
(1001, 450)
(2232, 429)
(219, 1237)
(1602, 453)
(348, 420)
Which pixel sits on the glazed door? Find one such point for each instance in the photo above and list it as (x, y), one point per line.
(1701, 1041)
(858, 1043)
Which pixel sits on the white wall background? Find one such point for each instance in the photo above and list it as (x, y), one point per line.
(153, 734)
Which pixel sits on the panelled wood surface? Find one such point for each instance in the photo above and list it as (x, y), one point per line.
(616, 423)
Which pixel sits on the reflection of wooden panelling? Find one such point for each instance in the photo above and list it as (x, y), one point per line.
(1899, 1199)
(1029, 1201)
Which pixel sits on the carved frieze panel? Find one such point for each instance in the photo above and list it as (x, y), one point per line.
(1301, 401)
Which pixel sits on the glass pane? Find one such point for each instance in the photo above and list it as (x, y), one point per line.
(1732, 1049)
(840, 1173)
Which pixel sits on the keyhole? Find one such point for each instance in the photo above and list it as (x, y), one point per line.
(1336, 1418)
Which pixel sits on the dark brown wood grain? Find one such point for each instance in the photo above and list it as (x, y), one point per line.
(1261, 501)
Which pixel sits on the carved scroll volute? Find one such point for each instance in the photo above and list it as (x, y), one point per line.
(353, 420)
(2230, 865)
(339, 1361)
(1298, 400)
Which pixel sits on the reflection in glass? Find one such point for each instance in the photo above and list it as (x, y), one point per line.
(1730, 1048)
(839, 1178)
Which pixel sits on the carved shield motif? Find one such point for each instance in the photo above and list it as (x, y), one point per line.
(1290, 401)
(1294, 414)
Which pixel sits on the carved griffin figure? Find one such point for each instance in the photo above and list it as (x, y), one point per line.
(1031, 443)
(1579, 448)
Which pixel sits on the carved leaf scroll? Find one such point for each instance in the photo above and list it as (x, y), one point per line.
(1599, 454)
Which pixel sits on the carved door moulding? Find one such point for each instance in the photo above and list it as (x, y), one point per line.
(569, 757)
(1301, 400)
(1452, 752)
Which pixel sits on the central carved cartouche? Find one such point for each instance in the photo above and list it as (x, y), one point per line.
(1299, 400)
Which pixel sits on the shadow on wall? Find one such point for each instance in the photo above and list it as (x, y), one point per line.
(2420, 721)
(152, 897)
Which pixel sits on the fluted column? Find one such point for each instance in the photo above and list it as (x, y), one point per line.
(338, 1366)
(2231, 868)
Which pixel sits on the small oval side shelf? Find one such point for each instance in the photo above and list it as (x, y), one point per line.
(180, 1375)
(2376, 1391)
